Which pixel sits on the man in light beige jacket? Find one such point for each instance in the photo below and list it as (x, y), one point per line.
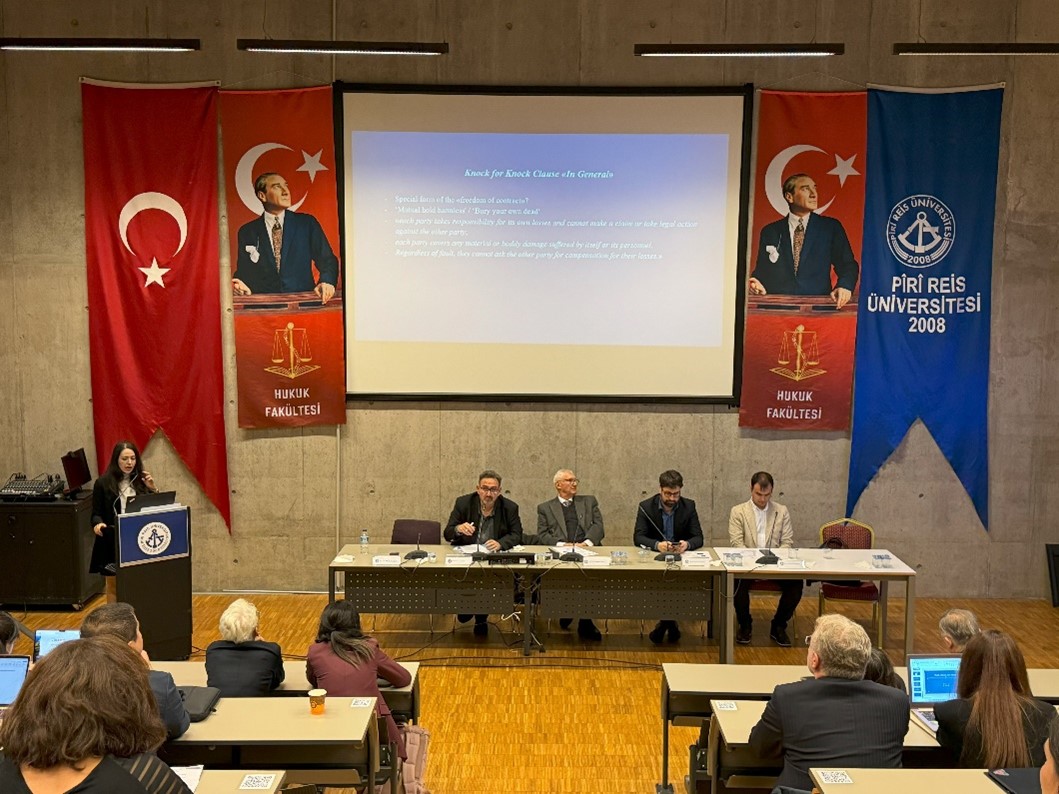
(760, 523)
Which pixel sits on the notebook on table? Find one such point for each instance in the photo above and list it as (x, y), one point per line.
(13, 671)
(47, 640)
(931, 680)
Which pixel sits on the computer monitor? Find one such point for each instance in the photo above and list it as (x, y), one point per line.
(932, 678)
(13, 671)
(47, 640)
(75, 465)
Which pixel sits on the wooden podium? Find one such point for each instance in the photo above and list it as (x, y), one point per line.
(154, 575)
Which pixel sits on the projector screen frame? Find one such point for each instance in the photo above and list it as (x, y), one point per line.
(745, 91)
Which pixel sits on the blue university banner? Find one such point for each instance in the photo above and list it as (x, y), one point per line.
(153, 535)
(923, 323)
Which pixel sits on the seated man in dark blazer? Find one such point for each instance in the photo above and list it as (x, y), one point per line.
(119, 620)
(488, 519)
(667, 523)
(835, 718)
(570, 519)
(242, 663)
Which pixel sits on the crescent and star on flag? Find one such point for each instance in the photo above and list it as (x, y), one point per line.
(244, 184)
(774, 174)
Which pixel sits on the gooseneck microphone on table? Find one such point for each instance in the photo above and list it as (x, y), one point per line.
(768, 557)
(572, 555)
(664, 556)
(418, 554)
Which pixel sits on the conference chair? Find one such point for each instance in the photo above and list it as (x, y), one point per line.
(851, 534)
(415, 530)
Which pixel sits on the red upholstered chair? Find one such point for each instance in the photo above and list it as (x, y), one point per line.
(851, 534)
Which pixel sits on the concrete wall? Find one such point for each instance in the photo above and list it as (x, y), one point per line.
(292, 488)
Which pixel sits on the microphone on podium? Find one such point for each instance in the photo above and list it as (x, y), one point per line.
(665, 556)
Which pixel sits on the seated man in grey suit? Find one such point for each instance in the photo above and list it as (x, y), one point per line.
(835, 718)
(760, 523)
(574, 520)
(119, 620)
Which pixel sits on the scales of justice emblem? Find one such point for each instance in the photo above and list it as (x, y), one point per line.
(806, 354)
(291, 353)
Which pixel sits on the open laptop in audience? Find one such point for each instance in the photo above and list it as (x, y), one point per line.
(931, 680)
(13, 671)
(46, 640)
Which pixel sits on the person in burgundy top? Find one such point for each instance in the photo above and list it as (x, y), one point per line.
(348, 663)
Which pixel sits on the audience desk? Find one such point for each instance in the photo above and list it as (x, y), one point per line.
(907, 781)
(403, 701)
(730, 759)
(339, 746)
(822, 564)
(228, 781)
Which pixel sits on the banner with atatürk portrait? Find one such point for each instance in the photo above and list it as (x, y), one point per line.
(923, 335)
(805, 254)
(279, 175)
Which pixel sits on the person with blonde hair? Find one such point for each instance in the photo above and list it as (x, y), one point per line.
(86, 720)
(957, 627)
(835, 718)
(242, 663)
(994, 721)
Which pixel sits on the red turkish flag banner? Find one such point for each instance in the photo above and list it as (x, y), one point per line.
(798, 347)
(152, 250)
(289, 341)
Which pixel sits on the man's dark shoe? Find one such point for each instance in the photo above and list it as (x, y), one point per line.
(779, 636)
(744, 634)
(564, 623)
(674, 632)
(464, 618)
(481, 629)
(658, 635)
(587, 630)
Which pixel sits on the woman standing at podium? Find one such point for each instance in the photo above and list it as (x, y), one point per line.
(123, 478)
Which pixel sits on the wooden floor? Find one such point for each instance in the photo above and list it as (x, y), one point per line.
(579, 717)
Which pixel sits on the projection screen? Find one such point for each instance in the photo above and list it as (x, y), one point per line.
(543, 244)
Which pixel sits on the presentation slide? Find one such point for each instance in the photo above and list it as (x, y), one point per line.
(527, 245)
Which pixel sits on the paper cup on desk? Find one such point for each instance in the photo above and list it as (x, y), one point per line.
(317, 698)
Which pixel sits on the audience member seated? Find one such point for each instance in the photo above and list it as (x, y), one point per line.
(119, 620)
(1050, 767)
(348, 663)
(85, 721)
(995, 721)
(8, 633)
(835, 718)
(242, 664)
(881, 671)
(957, 627)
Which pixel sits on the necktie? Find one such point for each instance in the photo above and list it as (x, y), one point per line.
(277, 244)
(799, 240)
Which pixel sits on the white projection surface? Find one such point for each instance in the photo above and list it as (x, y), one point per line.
(528, 245)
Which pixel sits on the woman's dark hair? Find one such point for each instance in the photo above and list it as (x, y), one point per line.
(113, 474)
(8, 631)
(340, 626)
(86, 698)
(993, 676)
(881, 670)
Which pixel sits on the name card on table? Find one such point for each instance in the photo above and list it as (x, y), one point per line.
(598, 561)
(458, 560)
(386, 561)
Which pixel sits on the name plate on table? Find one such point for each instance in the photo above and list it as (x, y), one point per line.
(386, 561)
(695, 562)
(797, 565)
(458, 560)
(599, 561)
